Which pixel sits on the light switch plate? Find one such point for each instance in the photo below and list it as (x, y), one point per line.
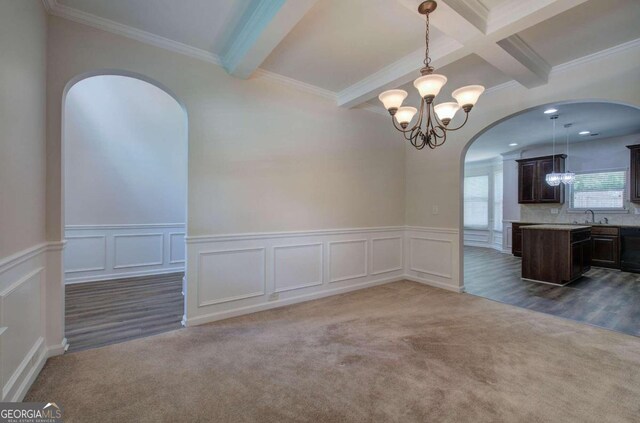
(435, 210)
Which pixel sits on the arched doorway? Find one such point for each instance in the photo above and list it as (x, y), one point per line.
(597, 133)
(124, 182)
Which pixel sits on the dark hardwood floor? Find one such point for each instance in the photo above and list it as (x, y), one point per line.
(602, 297)
(103, 313)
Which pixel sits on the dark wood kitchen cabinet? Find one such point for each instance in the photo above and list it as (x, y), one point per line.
(556, 254)
(532, 184)
(605, 247)
(634, 173)
(516, 238)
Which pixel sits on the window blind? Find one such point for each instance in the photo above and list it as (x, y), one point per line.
(599, 190)
(497, 200)
(476, 201)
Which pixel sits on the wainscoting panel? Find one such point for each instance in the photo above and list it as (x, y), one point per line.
(85, 253)
(347, 260)
(23, 319)
(137, 250)
(102, 252)
(230, 275)
(485, 238)
(432, 257)
(386, 255)
(297, 266)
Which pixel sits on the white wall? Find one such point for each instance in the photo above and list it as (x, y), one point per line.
(262, 156)
(30, 271)
(125, 179)
(125, 153)
(602, 154)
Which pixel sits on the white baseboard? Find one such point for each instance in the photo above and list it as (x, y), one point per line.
(435, 284)
(212, 317)
(107, 277)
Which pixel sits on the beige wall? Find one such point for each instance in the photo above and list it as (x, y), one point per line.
(262, 156)
(433, 176)
(23, 31)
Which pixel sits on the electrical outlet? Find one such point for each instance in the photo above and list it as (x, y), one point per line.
(435, 210)
(637, 211)
(554, 211)
(274, 296)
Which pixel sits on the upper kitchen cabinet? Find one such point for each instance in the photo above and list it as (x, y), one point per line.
(532, 186)
(634, 173)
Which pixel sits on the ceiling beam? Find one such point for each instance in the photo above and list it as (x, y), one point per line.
(261, 29)
(492, 36)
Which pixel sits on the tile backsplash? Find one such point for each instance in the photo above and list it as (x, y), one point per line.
(542, 213)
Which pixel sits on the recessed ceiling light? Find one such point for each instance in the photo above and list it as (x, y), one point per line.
(584, 132)
(513, 144)
(549, 111)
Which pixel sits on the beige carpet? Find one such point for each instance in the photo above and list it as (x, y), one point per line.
(401, 352)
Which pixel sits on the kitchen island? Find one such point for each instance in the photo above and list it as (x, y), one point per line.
(556, 254)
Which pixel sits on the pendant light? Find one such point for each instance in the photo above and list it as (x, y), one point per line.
(553, 179)
(568, 177)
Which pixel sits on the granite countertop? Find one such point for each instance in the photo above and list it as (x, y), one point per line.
(603, 225)
(557, 227)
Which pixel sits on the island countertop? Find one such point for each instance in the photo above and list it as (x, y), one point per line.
(556, 227)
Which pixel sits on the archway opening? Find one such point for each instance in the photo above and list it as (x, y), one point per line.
(505, 189)
(125, 149)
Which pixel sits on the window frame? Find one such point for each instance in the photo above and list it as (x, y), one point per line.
(625, 193)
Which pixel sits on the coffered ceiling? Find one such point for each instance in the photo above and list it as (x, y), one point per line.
(351, 50)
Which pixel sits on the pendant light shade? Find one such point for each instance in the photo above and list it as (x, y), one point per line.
(553, 179)
(393, 99)
(568, 178)
(430, 85)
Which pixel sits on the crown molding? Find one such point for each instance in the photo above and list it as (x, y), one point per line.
(473, 11)
(620, 48)
(523, 53)
(374, 109)
(57, 9)
(302, 86)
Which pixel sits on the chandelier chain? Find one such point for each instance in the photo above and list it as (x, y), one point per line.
(427, 59)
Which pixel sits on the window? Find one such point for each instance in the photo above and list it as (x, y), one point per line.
(476, 201)
(601, 190)
(497, 200)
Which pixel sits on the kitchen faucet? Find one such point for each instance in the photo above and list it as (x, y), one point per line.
(593, 215)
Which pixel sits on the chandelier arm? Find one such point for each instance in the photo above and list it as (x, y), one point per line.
(466, 118)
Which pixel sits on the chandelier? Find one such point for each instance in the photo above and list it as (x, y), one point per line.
(431, 126)
(554, 179)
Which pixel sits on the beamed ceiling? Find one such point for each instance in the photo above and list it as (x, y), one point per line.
(351, 50)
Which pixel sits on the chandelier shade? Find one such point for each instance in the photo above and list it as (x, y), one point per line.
(446, 111)
(432, 123)
(568, 178)
(393, 99)
(468, 96)
(430, 85)
(405, 114)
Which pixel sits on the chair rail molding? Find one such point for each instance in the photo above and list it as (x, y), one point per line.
(103, 252)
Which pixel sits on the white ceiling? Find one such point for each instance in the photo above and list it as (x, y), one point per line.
(340, 42)
(534, 128)
(356, 49)
(584, 30)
